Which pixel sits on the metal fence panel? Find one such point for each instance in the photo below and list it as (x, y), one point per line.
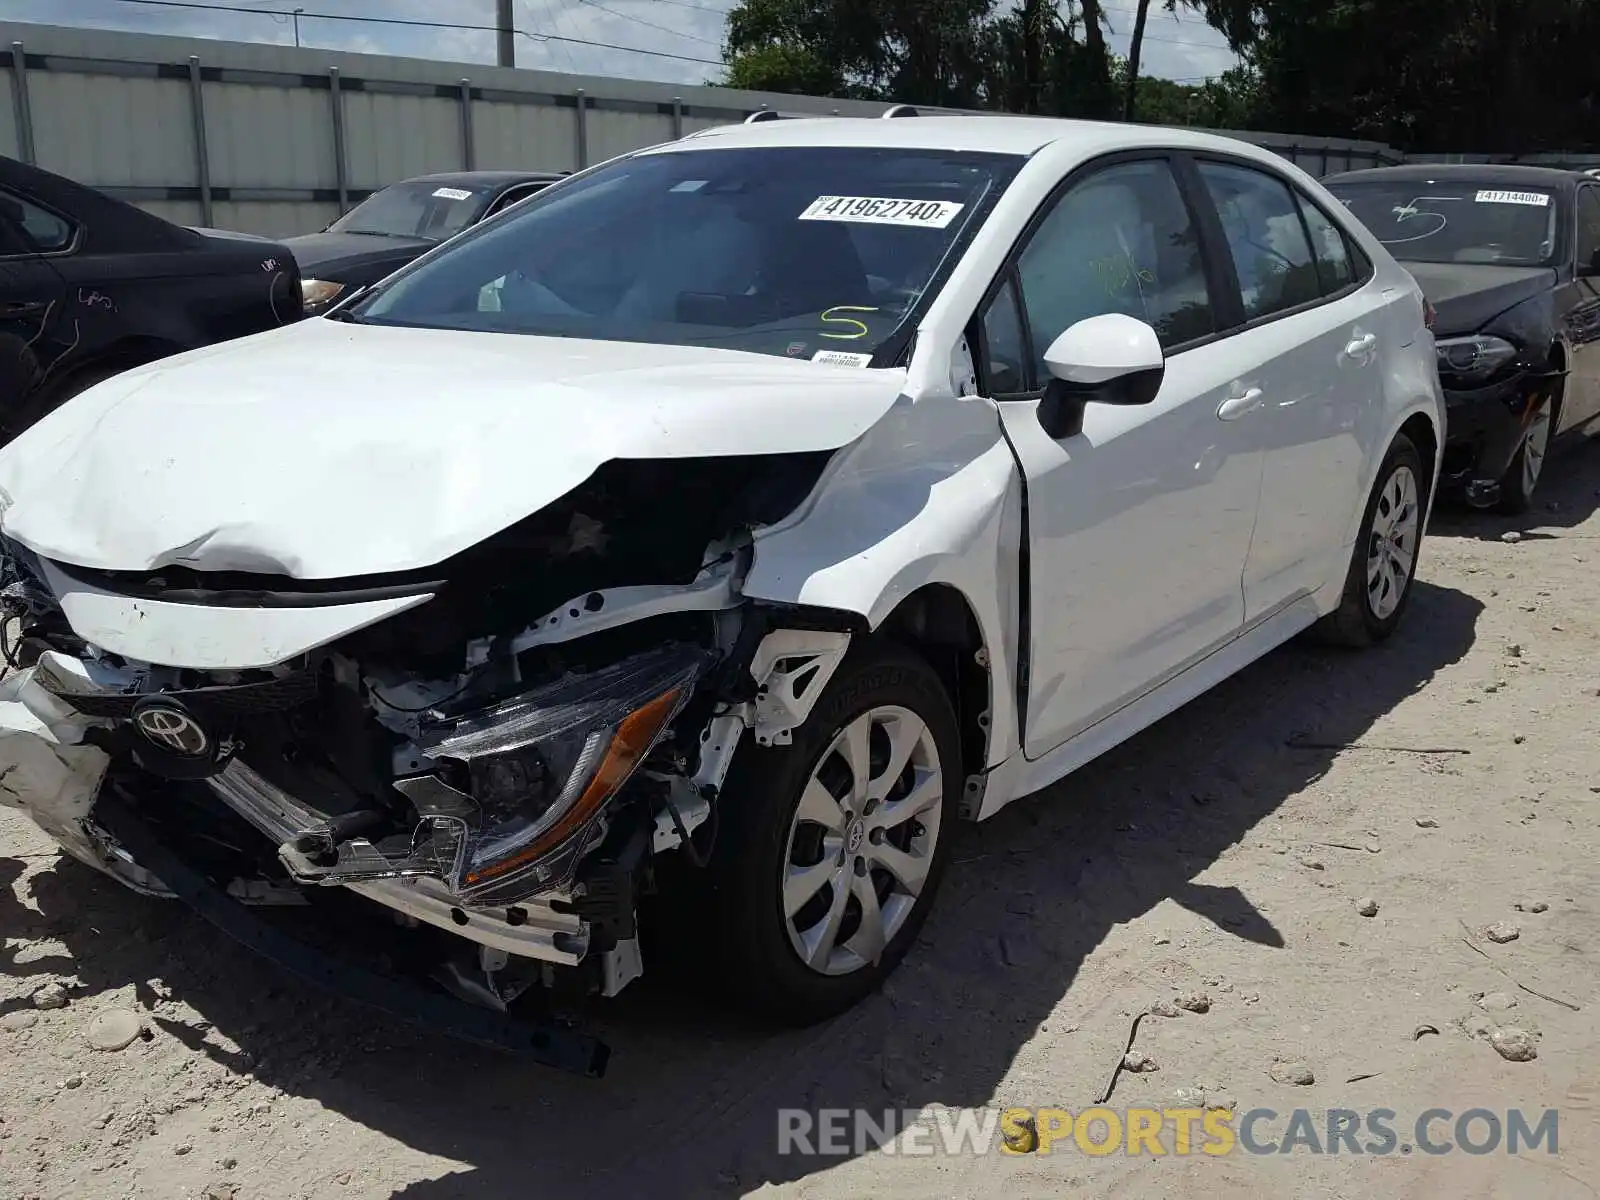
(106, 129)
(8, 108)
(393, 137)
(269, 136)
(537, 137)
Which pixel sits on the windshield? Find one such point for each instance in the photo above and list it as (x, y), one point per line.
(805, 252)
(433, 211)
(1456, 222)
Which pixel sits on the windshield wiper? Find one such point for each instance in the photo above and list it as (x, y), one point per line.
(409, 237)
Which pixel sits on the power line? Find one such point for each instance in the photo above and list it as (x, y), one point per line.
(621, 16)
(405, 21)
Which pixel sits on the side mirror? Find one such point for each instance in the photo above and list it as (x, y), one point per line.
(1109, 359)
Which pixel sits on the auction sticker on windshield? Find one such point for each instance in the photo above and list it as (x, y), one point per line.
(1531, 199)
(452, 194)
(882, 210)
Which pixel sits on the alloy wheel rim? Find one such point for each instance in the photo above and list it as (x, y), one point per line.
(1535, 442)
(1392, 548)
(862, 840)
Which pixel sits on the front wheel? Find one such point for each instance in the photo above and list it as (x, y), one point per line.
(1527, 465)
(832, 848)
(1384, 562)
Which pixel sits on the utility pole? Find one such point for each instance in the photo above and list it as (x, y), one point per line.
(505, 33)
(296, 16)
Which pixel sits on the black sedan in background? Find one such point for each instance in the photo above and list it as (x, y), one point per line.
(90, 286)
(395, 225)
(1509, 257)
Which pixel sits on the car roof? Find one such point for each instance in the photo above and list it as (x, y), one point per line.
(486, 179)
(1510, 174)
(110, 226)
(979, 132)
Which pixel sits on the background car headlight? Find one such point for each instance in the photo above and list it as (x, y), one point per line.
(541, 768)
(318, 294)
(1474, 359)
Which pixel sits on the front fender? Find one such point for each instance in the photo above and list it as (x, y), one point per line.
(929, 495)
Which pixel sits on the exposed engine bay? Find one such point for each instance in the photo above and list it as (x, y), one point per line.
(503, 760)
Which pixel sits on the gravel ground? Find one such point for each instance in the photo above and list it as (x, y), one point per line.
(1443, 781)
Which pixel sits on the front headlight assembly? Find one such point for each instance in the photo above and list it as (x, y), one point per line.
(317, 295)
(533, 776)
(1474, 359)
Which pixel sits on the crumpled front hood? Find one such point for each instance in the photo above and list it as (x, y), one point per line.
(1467, 296)
(326, 450)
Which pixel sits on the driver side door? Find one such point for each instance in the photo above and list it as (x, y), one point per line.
(1139, 524)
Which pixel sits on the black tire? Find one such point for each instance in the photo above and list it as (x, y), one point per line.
(1355, 622)
(756, 965)
(1516, 497)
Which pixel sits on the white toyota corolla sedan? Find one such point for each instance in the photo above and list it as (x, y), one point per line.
(728, 522)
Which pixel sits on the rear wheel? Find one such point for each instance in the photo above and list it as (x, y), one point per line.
(1378, 584)
(1517, 485)
(832, 848)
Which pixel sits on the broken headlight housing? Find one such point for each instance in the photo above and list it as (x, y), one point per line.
(1472, 360)
(534, 775)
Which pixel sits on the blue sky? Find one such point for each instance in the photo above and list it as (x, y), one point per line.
(683, 37)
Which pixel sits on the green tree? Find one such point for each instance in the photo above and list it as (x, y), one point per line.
(1495, 76)
(919, 51)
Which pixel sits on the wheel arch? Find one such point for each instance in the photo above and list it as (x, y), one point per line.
(941, 624)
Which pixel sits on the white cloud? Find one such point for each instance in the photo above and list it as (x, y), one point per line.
(554, 34)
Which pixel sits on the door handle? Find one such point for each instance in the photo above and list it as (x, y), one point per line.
(1235, 407)
(1361, 348)
(23, 308)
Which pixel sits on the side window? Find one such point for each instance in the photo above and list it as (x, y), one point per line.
(1121, 241)
(1005, 355)
(1270, 252)
(515, 195)
(44, 231)
(1332, 251)
(1588, 225)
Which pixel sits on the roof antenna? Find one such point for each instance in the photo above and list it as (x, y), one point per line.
(900, 110)
(765, 114)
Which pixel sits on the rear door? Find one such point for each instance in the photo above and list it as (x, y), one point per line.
(1314, 331)
(32, 296)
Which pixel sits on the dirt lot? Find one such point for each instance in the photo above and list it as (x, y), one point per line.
(1450, 776)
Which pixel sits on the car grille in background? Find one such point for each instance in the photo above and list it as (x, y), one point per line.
(231, 700)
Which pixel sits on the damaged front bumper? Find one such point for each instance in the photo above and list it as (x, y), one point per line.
(1486, 428)
(486, 837)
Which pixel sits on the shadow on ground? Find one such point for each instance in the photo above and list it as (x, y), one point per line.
(1567, 496)
(689, 1107)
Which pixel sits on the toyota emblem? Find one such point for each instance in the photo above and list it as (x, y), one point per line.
(169, 728)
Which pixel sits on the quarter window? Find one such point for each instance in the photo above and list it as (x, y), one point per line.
(1266, 238)
(1334, 267)
(44, 232)
(1004, 348)
(1121, 241)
